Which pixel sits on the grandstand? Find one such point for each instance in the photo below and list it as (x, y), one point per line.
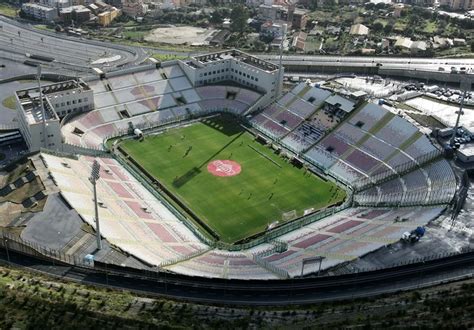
(396, 178)
(148, 99)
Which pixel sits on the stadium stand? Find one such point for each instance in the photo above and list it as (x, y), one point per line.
(399, 180)
(130, 216)
(148, 99)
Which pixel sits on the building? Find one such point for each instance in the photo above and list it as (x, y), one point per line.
(78, 14)
(38, 130)
(40, 12)
(397, 10)
(296, 17)
(418, 47)
(338, 106)
(134, 8)
(406, 44)
(359, 30)
(272, 29)
(106, 18)
(458, 4)
(270, 12)
(299, 41)
(56, 3)
(58, 100)
(236, 67)
(403, 43)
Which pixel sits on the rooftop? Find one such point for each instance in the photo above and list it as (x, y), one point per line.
(31, 106)
(30, 101)
(344, 104)
(238, 56)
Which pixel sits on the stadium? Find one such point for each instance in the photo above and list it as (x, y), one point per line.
(207, 168)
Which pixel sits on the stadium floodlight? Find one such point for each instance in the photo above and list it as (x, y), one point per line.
(465, 84)
(43, 112)
(95, 175)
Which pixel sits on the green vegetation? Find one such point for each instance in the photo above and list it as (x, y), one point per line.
(44, 27)
(234, 207)
(7, 10)
(134, 35)
(167, 57)
(9, 102)
(36, 301)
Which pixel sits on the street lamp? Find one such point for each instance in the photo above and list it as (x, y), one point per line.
(95, 175)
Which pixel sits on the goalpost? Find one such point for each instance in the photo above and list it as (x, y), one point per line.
(290, 215)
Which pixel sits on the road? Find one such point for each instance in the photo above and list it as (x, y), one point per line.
(71, 53)
(409, 63)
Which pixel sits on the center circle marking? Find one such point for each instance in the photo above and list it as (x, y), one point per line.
(224, 167)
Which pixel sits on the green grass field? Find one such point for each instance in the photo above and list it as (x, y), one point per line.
(234, 207)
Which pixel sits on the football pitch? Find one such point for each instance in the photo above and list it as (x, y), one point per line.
(234, 184)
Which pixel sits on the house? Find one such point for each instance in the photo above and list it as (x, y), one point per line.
(418, 46)
(359, 29)
(367, 51)
(403, 43)
(439, 42)
(334, 30)
(397, 10)
(273, 29)
(299, 40)
(219, 38)
(459, 42)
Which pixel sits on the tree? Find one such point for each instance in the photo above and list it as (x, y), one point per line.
(216, 18)
(377, 27)
(388, 29)
(239, 16)
(472, 46)
(258, 45)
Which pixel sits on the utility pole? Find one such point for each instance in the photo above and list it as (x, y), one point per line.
(95, 175)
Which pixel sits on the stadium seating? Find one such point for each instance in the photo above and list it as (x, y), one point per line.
(150, 98)
(130, 216)
(370, 142)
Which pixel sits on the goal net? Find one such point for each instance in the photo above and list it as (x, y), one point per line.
(289, 215)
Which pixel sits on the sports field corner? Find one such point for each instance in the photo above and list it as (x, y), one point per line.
(234, 184)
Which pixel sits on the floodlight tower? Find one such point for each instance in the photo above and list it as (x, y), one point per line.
(43, 112)
(465, 85)
(95, 175)
(280, 60)
(455, 129)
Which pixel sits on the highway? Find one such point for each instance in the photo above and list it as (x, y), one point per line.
(276, 292)
(71, 53)
(428, 64)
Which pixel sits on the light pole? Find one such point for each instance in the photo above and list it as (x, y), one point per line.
(95, 175)
(5, 242)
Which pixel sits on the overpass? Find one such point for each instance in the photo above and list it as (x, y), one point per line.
(430, 69)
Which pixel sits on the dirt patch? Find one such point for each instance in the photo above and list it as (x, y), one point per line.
(181, 35)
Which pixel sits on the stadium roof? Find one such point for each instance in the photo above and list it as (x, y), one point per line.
(238, 56)
(344, 104)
